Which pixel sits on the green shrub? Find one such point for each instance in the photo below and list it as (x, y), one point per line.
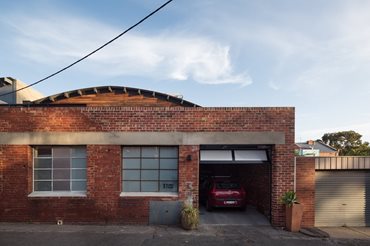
(289, 198)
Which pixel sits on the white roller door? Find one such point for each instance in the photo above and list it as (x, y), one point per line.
(342, 198)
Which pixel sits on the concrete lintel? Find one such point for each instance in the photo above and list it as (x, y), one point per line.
(140, 138)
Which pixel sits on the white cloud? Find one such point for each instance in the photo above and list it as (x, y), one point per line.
(59, 41)
(274, 86)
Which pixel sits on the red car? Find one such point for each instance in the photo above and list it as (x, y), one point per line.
(223, 192)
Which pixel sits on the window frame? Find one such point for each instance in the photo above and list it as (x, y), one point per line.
(158, 180)
(71, 157)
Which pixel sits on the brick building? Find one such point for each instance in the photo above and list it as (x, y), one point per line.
(125, 155)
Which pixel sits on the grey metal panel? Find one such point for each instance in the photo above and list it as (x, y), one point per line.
(164, 212)
(342, 163)
(342, 198)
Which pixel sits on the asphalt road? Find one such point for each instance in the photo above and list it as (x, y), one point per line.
(81, 235)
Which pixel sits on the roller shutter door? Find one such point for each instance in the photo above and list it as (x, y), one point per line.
(342, 198)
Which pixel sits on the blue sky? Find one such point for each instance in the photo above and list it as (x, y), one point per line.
(313, 55)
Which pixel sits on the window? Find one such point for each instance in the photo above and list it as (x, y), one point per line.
(233, 156)
(150, 169)
(59, 169)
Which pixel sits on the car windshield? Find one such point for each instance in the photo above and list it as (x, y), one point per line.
(225, 185)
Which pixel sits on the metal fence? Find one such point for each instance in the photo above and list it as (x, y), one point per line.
(342, 163)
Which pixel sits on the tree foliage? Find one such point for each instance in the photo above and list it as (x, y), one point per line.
(347, 142)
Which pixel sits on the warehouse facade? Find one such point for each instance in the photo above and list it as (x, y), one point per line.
(125, 155)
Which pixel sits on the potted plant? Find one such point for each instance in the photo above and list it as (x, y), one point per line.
(293, 211)
(189, 217)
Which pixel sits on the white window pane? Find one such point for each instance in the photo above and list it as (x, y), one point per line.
(150, 163)
(61, 174)
(168, 152)
(131, 152)
(61, 185)
(250, 155)
(149, 186)
(79, 174)
(168, 186)
(79, 163)
(131, 163)
(79, 152)
(131, 175)
(61, 152)
(42, 186)
(169, 163)
(42, 174)
(61, 163)
(130, 186)
(149, 175)
(168, 175)
(42, 163)
(150, 152)
(216, 155)
(78, 185)
(43, 152)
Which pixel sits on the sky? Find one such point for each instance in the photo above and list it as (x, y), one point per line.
(312, 55)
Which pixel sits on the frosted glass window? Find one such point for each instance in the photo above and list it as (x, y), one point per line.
(43, 175)
(149, 174)
(59, 168)
(79, 152)
(168, 175)
(78, 173)
(131, 186)
(42, 185)
(150, 152)
(150, 163)
(250, 155)
(168, 186)
(169, 163)
(169, 152)
(61, 173)
(131, 152)
(78, 185)
(149, 186)
(78, 163)
(61, 162)
(150, 169)
(216, 155)
(42, 163)
(61, 186)
(61, 152)
(131, 174)
(131, 163)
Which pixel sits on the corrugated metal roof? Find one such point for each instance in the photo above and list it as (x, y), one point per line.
(116, 89)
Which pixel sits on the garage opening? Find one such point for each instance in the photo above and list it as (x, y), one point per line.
(225, 172)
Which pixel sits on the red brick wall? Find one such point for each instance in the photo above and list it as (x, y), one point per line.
(103, 202)
(281, 179)
(306, 188)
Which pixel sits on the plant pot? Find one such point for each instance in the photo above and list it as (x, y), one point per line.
(294, 217)
(188, 222)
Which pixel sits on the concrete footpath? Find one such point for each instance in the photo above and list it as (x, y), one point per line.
(15, 234)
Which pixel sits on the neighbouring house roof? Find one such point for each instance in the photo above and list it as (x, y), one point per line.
(115, 95)
(316, 145)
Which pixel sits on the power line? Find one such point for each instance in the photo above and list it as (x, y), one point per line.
(86, 56)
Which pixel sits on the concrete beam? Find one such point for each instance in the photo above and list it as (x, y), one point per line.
(140, 138)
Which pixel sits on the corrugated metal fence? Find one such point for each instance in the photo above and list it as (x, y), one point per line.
(342, 163)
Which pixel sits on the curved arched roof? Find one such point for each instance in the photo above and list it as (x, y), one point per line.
(113, 90)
